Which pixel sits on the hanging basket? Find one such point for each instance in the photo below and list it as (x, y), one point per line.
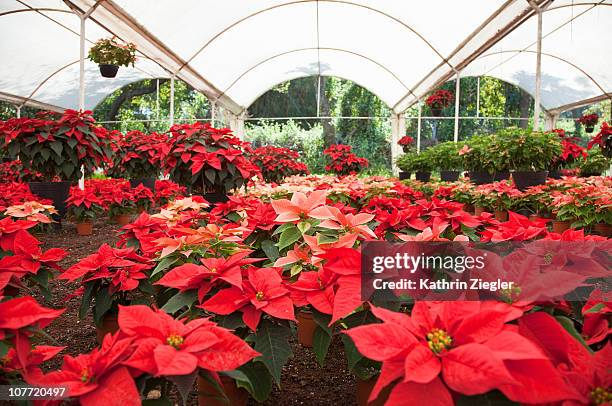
(589, 129)
(436, 112)
(108, 71)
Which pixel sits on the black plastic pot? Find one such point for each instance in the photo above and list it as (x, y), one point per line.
(404, 175)
(449, 176)
(589, 174)
(480, 177)
(436, 112)
(406, 148)
(146, 182)
(57, 192)
(503, 175)
(216, 197)
(554, 174)
(108, 71)
(526, 179)
(423, 176)
(589, 129)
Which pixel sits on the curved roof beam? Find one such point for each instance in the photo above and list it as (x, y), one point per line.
(262, 62)
(550, 56)
(585, 3)
(41, 84)
(254, 14)
(40, 9)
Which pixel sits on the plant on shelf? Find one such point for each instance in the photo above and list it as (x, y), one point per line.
(438, 100)
(570, 154)
(406, 142)
(211, 161)
(528, 153)
(342, 161)
(56, 147)
(594, 164)
(588, 121)
(603, 139)
(83, 208)
(138, 156)
(276, 163)
(478, 159)
(109, 54)
(445, 157)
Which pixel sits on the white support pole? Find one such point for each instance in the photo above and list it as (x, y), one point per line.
(551, 121)
(236, 124)
(419, 127)
(18, 111)
(457, 92)
(213, 113)
(171, 100)
(538, 84)
(319, 97)
(398, 130)
(83, 18)
(478, 97)
(157, 100)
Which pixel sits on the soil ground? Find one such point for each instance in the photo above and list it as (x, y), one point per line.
(303, 381)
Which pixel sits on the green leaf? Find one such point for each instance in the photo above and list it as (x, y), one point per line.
(57, 147)
(270, 249)
(595, 308)
(320, 344)
(272, 341)
(282, 228)
(289, 237)
(210, 174)
(322, 320)
(257, 380)
(3, 349)
(568, 325)
(231, 321)
(184, 384)
(164, 264)
(86, 301)
(326, 239)
(353, 356)
(303, 226)
(180, 300)
(104, 301)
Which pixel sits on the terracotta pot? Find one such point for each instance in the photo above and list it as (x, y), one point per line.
(478, 210)
(122, 219)
(84, 228)
(306, 327)
(208, 394)
(603, 229)
(364, 388)
(501, 215)
(560, 226)
(109, 324)
(533, 217)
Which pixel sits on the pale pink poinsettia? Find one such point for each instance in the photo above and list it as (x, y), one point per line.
(349, 223)
(296, 255)
(432, 233)
(301, 207)
(318, 249)
(465, 150)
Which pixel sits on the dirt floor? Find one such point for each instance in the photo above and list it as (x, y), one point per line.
(304, 382)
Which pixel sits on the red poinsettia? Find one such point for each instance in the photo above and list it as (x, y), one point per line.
(456, 347)
(22, 312)
(588, 120)
(343, 162)
(165, 346)
(262, 292)
(277, 163)
(439, 99)
(97, 378)
(209, 272)
(405, 141)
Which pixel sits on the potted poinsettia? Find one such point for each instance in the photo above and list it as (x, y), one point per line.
(604, 140)
(529, 154)
(109, 278)
(438, 100)
(594, 164)
(122, 206)
(138, 156)
(109, 54)
(211, 161)
(342, 161)
(56, 146)
(571, 153)
(445, 157)
(277, 163)
(406, 143)
(83, 207)
(588, 121)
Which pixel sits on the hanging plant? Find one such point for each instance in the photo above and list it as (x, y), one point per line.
(588, 121)
(604, 140)
(438, 100)
(109, 54)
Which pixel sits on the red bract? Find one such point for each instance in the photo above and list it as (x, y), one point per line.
(517, 228)
(439, 99)
(209, 272)
(277, 163)
(343, 162)
(597, 313)
(165, 346)
(405, 140)
(263, 291)
(346, 264)
(463, 347)
(24, 360)
(123, 267)
(22, 312)
(97, 378)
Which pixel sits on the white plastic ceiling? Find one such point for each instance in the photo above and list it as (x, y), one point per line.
(234, 51)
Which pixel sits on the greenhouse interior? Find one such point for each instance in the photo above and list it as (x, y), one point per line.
(306, 202)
